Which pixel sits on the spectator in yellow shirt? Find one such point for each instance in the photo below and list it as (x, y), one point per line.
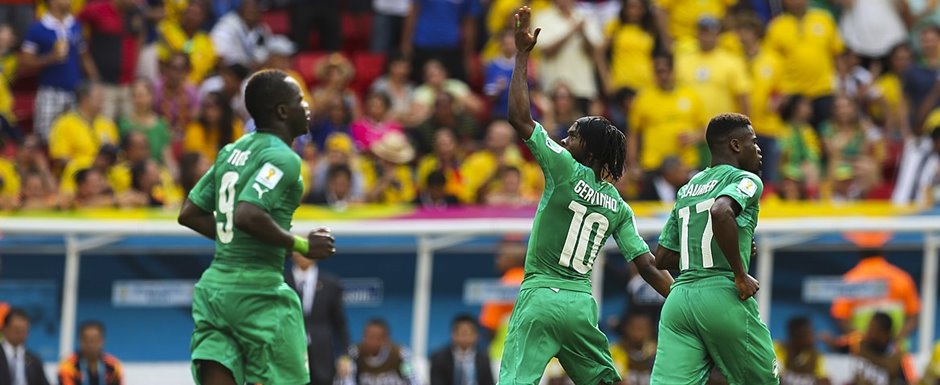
(798, 359)
(9, 182)
(446, 158)
(186, 36)
(481, 168)
(764, 68)
(667, 120)
(631, 39)
(633, 355)
(682, 16)
(92, 190)
(388, 178)
(81, 132)
(717, 76)
(932, 372)
(808, 41)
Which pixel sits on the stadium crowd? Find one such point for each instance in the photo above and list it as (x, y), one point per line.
(121, 103)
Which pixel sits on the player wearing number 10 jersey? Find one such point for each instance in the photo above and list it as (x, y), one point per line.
(555, 314)
(248, 323)
(710, 317)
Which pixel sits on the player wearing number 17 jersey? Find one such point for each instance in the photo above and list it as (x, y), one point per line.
(248, 322)
(710, 317)
(555, 314)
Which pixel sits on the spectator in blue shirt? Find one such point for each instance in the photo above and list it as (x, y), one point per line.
(497, 75)
(54, 46)
(444, 30)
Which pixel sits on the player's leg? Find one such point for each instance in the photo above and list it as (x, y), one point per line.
(216, 356)
(214, 373)
(737, 341)
(680, 354)
(531, 340)
(585, 353)
(271, 330)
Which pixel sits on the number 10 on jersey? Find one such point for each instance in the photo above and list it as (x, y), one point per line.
(580, 233)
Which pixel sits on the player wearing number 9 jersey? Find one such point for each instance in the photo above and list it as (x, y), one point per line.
(248, 322)
(710, 317)
(555, 314)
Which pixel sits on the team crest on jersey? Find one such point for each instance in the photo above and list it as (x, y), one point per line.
(552, 145)
(748, 187)
(269, 175)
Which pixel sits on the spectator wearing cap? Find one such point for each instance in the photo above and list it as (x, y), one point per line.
(339, 149)
(808, 42)
(334, 74)
(900, 300)
(239, 37)
(716, 75)
(388, 178)
(186, 36)
(80, 133)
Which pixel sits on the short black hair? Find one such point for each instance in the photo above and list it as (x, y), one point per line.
(604, 142)
(126, 139)
(882, 321)
(796, 323)
(109, 150)
(436, 179)
(91, 324)
(378, 322)
(338, 169)
(83, 90)
(15, 312)
(789, 107)
(138, 169)
(722, 127)
(82, 175)
(464, 318)
(265, 91)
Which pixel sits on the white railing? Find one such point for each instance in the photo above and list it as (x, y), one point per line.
(432, 235)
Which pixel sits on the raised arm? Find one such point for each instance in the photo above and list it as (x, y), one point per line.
(723, 213)
(520, 115)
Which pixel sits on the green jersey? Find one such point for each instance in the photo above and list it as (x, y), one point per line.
(689, 228)
(576, 215)
(260, 169)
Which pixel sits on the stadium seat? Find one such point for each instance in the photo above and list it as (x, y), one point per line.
(356, 32)
(369, 66)
(305, 64)
(277, 20)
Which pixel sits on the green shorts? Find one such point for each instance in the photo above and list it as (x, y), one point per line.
(704, 324)
(258, 334)
(548, 323)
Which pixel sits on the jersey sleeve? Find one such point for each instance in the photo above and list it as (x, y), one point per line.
(745, 188)
(629, 241)
(277, 171)
(556, 162)
(670, 235)
(203, 193)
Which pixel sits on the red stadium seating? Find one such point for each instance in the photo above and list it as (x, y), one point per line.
(356, 32)
(23, 107)
(277, 20)
(369, 66)
(305, 64)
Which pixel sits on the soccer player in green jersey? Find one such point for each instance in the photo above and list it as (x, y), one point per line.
(248, 322)
(711, 318)
(555, 314)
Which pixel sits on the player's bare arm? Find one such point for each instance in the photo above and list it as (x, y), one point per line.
(258, 223)
(666, 259)
(725, 228)
(520, 116)
(660, 280)
(197, 219)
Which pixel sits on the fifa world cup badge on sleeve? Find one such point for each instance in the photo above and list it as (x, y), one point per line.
(269, 175)
(748, 187)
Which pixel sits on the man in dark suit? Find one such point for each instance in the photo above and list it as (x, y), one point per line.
(460, 363)
(321, 298)
(17, 365)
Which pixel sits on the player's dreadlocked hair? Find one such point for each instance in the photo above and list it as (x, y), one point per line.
(605, 143)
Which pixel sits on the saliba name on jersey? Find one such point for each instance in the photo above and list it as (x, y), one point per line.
(589, 195)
